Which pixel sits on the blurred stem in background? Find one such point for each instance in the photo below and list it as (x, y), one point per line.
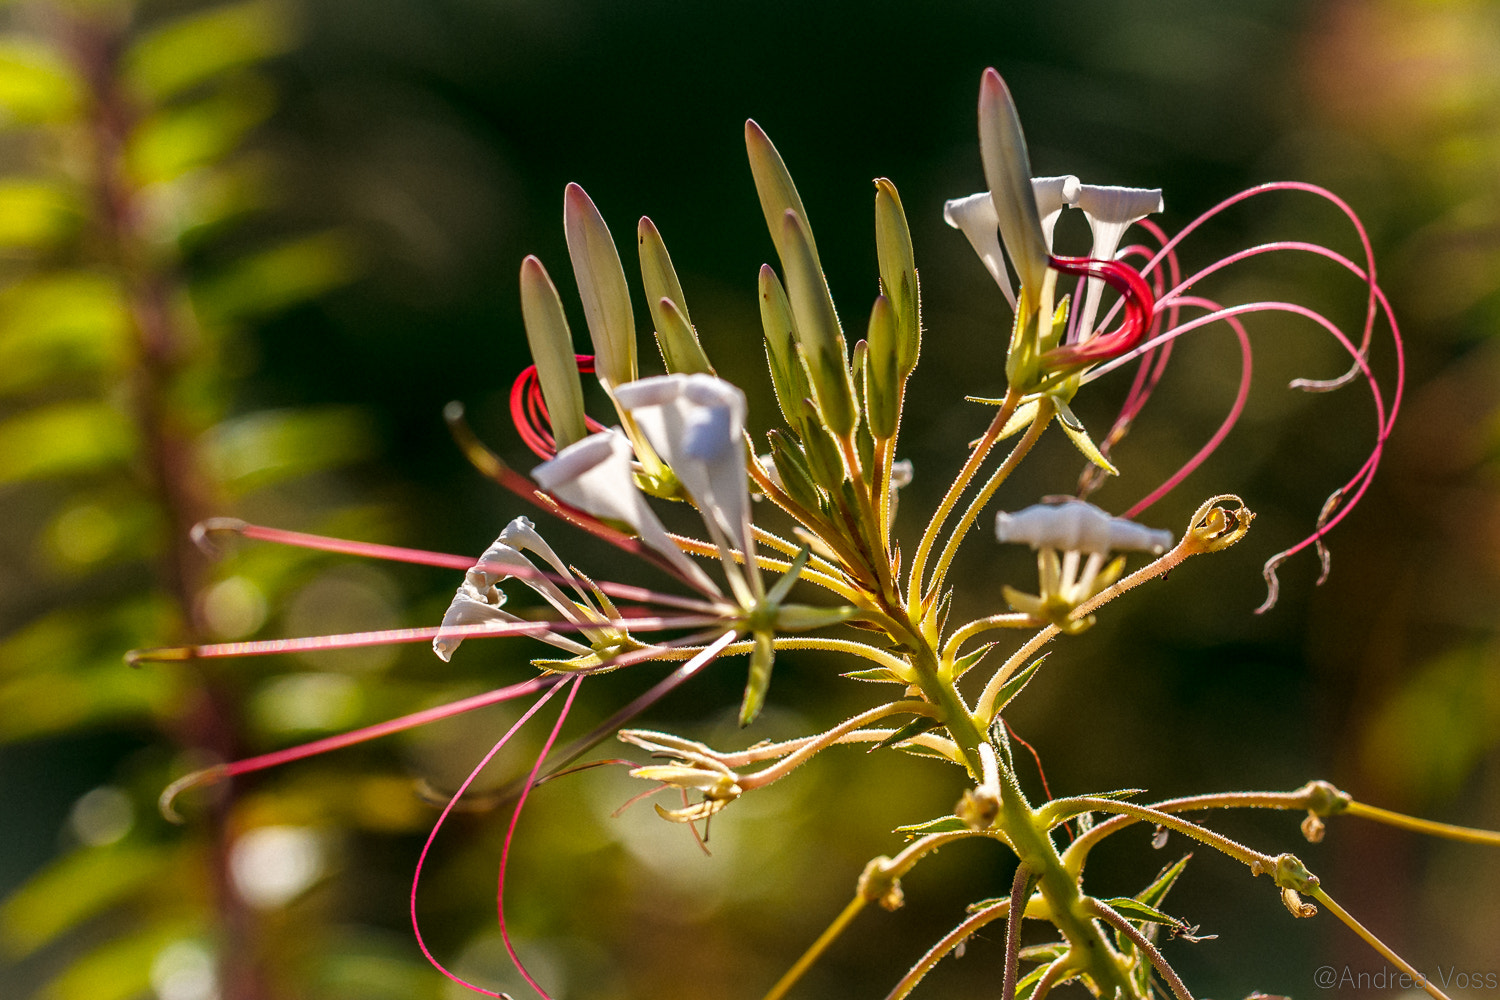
(127, 169)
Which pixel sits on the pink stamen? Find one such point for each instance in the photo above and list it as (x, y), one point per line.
(443, 816)
(528, 409)
(1136, 297)
(276, 758)
(423, 557)
(394, 636)
(510, 833)
(1238, 407)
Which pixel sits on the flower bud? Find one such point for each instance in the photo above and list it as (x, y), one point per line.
(817, 326)
(552, 349)
(898, 273)
(1007, 171)
(601, 285)
(680, 349)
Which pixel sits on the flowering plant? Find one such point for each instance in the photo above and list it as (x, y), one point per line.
(833, 472)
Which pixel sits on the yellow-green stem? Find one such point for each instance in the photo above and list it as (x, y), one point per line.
(1317, 893)
(914, 587)
(950, 548)
(829, 935)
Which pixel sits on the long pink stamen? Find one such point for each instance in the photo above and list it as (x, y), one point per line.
(1135, 294)
(276, 758)
(395, 636)
(443, 816)
(510, 833)
(1238, 407)
(423, 557)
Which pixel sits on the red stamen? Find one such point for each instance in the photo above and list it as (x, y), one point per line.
(1140, 308)
(528, 409)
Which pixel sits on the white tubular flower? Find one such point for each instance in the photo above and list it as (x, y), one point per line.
(1076, 525)
(1110, 211)
(1053, 194)
(1062, 535)
(696, 423)
(480, 601)
(595, 475)
(976, 218)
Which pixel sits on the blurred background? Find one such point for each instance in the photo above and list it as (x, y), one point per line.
(249, 250)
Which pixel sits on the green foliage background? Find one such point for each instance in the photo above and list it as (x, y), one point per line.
(329, 201)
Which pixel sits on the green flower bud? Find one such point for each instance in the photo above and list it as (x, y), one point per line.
(552, 349)
(898, 273)
(882, 375)
(601, 285)
(680, 349)
(817, 325)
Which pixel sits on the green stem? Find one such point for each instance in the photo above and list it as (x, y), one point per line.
(1375, 942)
(829, 935)
(950, 499)
(950, 548)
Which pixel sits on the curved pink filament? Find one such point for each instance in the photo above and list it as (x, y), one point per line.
(443, 816)
(529, 410)
(1140, 308)
(1235, 409)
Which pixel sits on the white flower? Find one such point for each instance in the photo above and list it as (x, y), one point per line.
(696, 423)
(1109, 210)
(1078, 526)
(1062, 535)
(479, 599)
(595, 475)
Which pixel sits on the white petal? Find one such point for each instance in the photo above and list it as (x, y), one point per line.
(976, 217)
(1110, 211)
(1053, 194)
(1077, 526)
(595, 476)
(469, 607)
(696, 423)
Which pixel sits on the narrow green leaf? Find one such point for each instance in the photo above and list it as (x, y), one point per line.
(63, 439)
(175, 140)
(943, 824)
(916, 727)
(552, 351)
(74, 888)
(1134, 909)
(1073, 427)
(601, 285)
(36, 83)
(761, 659)
(1154, 893)
(35, 214)
(1013, 687)
(876, 674)
(968, 661)
(277, 278)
